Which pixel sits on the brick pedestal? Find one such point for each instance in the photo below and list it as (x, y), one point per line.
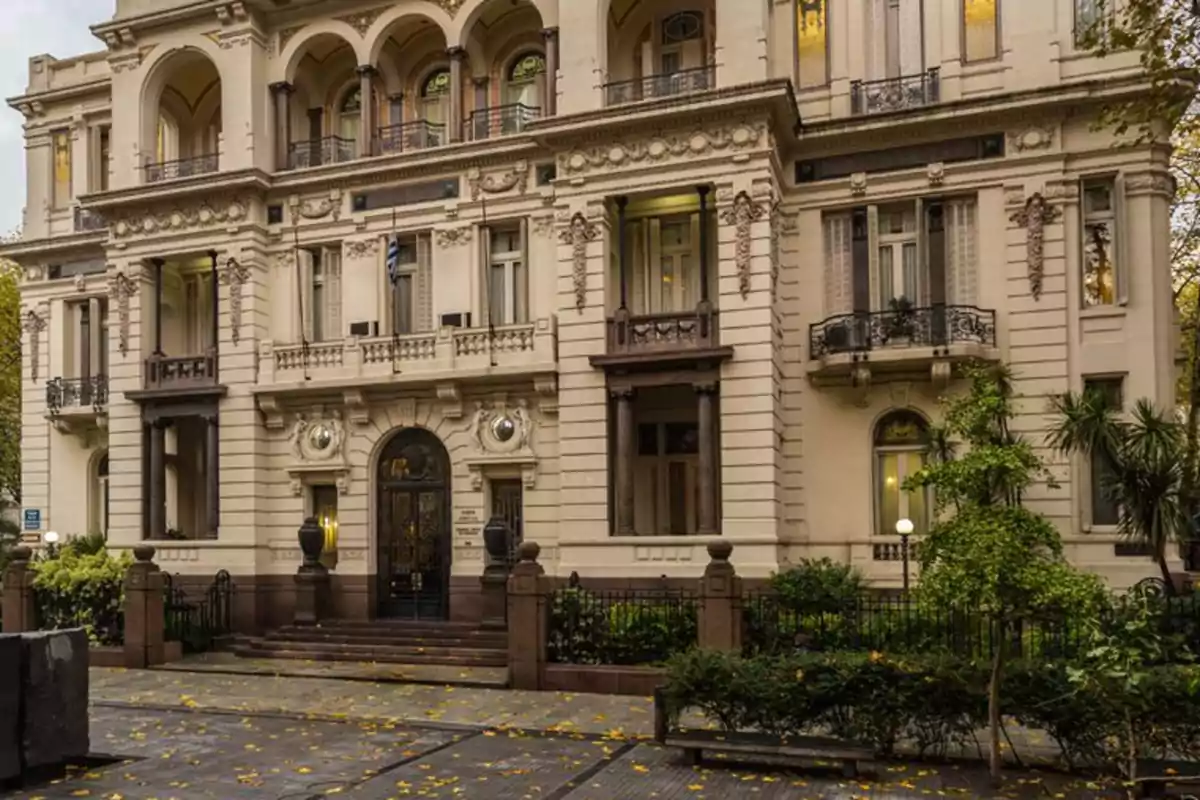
(144, 614)
(720, 596)
(527, 619)
(19, 611)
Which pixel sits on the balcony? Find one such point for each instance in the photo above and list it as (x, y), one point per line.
(661, 341)
(87, 221)
(181, 374)
(895, 94)
(654, 86)
(76, 405)
(160, 171)
(488, 123)
(416, 135)
(903, 339)
(318, 152)
(443, 355)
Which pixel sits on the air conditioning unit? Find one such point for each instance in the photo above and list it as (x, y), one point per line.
(364, 330)
(459, 319)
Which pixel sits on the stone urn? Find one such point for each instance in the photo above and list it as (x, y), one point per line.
(496, 536)
(312, 541)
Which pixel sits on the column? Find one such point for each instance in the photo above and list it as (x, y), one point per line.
(551, 101)
(624, 466)
(282, 92)
(483, 128)
(456, 99)
(158, 298)
(212, 473)
(706, 478)
(158, 479)
(704, 307)
(366, 126)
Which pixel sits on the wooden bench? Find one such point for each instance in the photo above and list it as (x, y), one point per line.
(1156, 785)
(694, 744)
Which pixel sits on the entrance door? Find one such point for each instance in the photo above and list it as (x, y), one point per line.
(413, 527)
(507, 504)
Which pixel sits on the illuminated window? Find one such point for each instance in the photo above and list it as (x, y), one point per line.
(981, 29)
(1100, 216)
(61, 144)
(901, 443)
(812, 43)
(325, 509)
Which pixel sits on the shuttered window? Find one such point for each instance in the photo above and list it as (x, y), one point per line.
(839, 269)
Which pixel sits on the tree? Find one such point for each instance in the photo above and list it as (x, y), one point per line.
(1145, 463)
(988, 555)
(10, 382)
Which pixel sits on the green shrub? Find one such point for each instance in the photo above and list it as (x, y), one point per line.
(74, 590)
(819, 586)
(87, 545)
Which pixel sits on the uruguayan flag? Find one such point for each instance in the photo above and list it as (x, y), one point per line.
(393, 259)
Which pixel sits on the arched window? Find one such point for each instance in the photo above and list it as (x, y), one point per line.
(435, 97)
(99, 510)
(350, 114)
(681, 46)
(901, 445)
(525, 78)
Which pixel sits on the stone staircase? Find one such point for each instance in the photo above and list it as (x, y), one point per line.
(410, 642)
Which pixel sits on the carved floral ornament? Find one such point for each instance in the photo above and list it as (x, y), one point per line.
(235, 275)
(743, 213)
(318, 442)
(453, 237)
(578, 234)
(731, 138)
(120, 289)
(1034, 218)
(314, 208)
(33, 324)
(205, 215)
(516, 178)
(361, 248)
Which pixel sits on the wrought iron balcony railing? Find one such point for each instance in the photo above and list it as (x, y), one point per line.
(77, 393)
(934, 326)
(488, 123)
(669, 332)
(895, 94)
(86, 220)
(181, 168)
(652, 86)
(181, 372)
(416, 135)
(316, 152)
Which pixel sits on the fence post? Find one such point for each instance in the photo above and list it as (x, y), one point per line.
(19, 610)
(144, 615)
(720, 601)
(527, 619)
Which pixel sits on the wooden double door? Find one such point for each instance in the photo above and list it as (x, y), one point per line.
(413, 527)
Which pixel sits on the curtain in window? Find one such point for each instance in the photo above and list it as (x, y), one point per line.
(962, 273)
(812, 36)
(980, 29)
(839, 290)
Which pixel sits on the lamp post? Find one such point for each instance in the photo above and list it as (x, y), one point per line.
(904, 527)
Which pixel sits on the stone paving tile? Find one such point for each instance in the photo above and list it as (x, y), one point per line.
(228, 663)
(191, 756)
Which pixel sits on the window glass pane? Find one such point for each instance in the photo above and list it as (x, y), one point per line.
(402, 319)
(1104, 511)
(683, 438)
(520, 292)
(496, 292)
(677, 496)
(1099, 271)
(61, 141)
(980, 40)
(911, 287)
(918, 510)
(886, 289)
(811, 38)
(889, 492)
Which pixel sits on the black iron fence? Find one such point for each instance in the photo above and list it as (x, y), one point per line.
(416, 135)
(87, 220)
(620, 627)
(195, 623)
(181, 168)
(77, 393)
(931, 326)
(316, 152)
(668, 85)
(895, 94)
(488, 123)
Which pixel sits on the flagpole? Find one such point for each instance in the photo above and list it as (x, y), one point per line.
(392, 265)
(487, 283)
(300, 300)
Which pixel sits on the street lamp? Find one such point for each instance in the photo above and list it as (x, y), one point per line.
(51, 540)
(904, 527)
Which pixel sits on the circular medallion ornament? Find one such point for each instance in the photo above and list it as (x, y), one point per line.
(321, 437)
(504, 429)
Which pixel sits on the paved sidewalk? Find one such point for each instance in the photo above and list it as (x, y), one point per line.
(435, 674)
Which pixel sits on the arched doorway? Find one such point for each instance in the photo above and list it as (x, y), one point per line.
(413, 526)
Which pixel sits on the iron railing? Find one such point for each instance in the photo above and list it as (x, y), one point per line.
(171, 372)
(670, 331)
(895, 94)
(488, 123)
(196, 623)
(316, 152)
(77, 393)
(932, 326)
(416, 135)
(86, 220)
(623, 627)
(669, 85)
(181, 168)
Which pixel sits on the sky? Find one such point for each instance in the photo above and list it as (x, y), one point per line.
(28, 28)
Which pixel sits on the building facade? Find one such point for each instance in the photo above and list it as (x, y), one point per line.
(627, 274)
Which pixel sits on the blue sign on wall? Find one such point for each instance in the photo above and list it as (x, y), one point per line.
(33, 519)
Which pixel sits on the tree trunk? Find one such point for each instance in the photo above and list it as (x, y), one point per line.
(1160, 555)
(1191, 502)
(994, 761)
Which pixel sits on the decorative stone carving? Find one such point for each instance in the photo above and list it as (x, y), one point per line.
(1033, 138)
(287, 34)
(547, 389)
(776, 248)
(451, 7)
(205, 215)
(733, 138)
(1034, 218)
(578, 234)
(34, 324)
(1150, 183)
(362, 21)
(320, 439)
(235, 275)
(453, 237)
(543, 225)
(362, 248)
(451, 399)
(858, 184)
(501, 435)
(516, 178)
(316, 207)
(80, 283)
(743, 213)
(120, 289)
(34, 274)
(937, 174)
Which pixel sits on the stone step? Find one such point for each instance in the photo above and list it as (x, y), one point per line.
(383, 638)
(391, 655)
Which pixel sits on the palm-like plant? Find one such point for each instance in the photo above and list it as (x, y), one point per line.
(1144, 458)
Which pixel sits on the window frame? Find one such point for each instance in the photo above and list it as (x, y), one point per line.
(1104, 383)
(316, 324)
(1104, 20)
(998, 22)
(61, 197)
(878, 450)
(1115, 216)
(409, 270)
(828, 67)
(513, 303)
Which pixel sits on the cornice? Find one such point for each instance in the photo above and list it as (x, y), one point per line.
(118, 32)
(170, 192)
(28, 103)
(28, 251)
